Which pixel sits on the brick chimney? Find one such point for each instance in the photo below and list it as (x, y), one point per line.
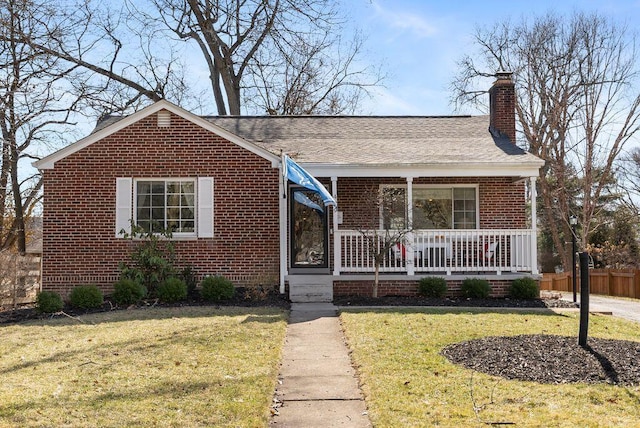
(502, 106)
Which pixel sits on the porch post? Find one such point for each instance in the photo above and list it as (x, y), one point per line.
(282, 207)
(534, 226)
(337, 254)
(411, 270)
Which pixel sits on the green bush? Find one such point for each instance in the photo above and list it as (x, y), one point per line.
(127, 292)
(86, 297)
(476, 288)
(188, 275)
(49, 302)
(216, 288)
(152, 258)
(172, 290)
(432, 287)
(524, 288)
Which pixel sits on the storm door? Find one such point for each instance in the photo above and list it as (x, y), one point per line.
(308, 230)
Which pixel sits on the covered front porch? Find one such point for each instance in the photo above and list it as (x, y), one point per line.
(492, 231)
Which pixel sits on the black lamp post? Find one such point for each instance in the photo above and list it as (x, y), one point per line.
(573, 221)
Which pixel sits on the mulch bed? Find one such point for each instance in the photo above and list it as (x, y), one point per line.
(551, 359)
(272, 299)
(451, 301)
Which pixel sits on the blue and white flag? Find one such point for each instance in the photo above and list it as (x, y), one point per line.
(294, 172)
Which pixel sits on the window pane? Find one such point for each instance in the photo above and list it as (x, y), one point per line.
(157, 187)
(464, 208)
(187, 187)
(173, 200)
(432, 208)
(187, 200)
(187, 214)
(158, 214)
(173, 187)
(394, 208)
(173, 213)
(157, 200)
(145, 225)
(188, 226)
(144, 187)
(143, 213)
(144, 200)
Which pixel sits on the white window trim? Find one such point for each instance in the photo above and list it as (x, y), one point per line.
(175, 235)
(475, 186)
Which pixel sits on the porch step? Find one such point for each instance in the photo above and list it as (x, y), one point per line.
(310, 288)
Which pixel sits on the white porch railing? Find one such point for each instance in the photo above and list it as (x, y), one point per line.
(446, 251)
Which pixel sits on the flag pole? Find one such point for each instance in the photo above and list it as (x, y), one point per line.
(283, 165)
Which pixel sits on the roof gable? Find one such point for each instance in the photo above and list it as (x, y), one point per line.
(48, 162)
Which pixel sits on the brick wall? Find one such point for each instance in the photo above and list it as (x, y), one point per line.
(502, 202)
(502, 106)
(79, 242)
(499, 288)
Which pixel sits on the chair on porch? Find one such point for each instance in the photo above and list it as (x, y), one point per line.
(489, 253)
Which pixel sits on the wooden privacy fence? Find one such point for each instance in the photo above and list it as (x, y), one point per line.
(609, 282)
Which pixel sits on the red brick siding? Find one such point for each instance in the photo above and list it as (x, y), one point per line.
(79, 242)
(502, 100)
(502, 202)
(499, 288)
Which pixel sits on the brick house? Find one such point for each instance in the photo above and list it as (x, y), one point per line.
(466, 190)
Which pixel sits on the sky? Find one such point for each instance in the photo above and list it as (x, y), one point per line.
(419, 41)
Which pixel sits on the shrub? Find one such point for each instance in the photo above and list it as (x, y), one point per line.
(127, 292)
(188, 275)
(216, 288)
(152, 258)
(476, 288)
(172, 290)
(524, 288)
(86, 297)
(49, 302)
(432, 287)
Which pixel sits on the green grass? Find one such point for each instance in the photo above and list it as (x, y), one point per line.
(178, 367)
(407, 382)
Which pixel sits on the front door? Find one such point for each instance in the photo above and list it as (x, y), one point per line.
(309, 233)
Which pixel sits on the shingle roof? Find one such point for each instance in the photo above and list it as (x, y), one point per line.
(375, 140)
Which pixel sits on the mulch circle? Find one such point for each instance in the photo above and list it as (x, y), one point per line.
(551, 359)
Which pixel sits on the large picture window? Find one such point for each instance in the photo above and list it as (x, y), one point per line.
(166, 205)
(433, 207)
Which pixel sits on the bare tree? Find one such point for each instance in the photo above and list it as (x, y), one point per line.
(577, 106)
(385, 241)
(34, 103)
(280, 56)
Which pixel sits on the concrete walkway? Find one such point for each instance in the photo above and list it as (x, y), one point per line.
(623, 308)
(317, 384)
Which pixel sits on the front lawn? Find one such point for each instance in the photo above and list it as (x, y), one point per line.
(407, 382)
(172, 367)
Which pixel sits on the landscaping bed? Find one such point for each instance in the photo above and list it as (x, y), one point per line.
(452, 301)
(241, 298)
(551, 359)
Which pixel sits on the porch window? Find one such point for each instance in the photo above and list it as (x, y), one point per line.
(166, 205)
(434, 207)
